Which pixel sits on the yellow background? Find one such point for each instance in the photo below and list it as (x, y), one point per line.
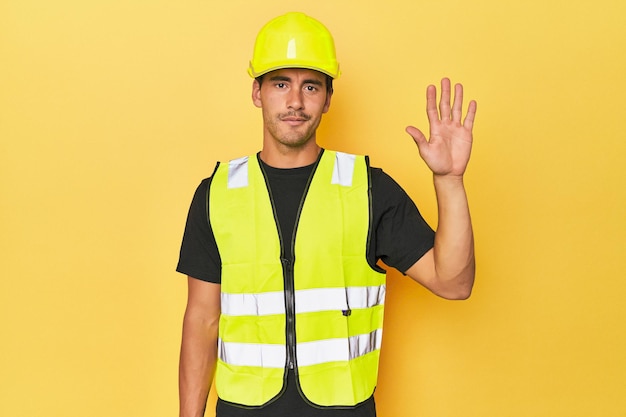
(111, 112)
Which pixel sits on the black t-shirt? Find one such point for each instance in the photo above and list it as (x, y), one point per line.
(400, 237)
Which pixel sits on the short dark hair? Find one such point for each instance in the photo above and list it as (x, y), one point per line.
(329, 82)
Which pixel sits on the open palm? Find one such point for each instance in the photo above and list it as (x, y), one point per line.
(448, 149)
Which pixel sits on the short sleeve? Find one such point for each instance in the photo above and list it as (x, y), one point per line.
(400, 234)
(199, 256)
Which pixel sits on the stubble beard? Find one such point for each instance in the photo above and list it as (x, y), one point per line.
(291, 137)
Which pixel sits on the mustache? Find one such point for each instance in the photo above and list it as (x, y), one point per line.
(297, 114)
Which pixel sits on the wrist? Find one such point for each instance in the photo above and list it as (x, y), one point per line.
(447, 179)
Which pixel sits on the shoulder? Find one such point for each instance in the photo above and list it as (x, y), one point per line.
(203, 188)
(199, 201)
(384, 186)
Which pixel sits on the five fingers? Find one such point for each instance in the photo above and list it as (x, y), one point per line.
(446, 111)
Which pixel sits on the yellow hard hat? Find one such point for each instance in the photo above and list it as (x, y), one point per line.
(294, 40)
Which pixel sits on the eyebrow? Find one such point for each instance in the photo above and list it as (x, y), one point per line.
(288, 79)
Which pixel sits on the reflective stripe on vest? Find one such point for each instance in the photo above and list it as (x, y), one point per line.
(339, 298)
(343, 170)
(309, 353)
(307, 301)
(238, 173)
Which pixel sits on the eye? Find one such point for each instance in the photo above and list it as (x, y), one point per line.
(280, 85)
(310, 88)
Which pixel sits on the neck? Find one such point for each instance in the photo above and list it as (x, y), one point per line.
(282, 156)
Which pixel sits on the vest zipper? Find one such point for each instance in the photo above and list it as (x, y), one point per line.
(290, 281)
(290, 313)
(288, 268)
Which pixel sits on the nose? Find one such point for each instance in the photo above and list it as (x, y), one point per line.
(294, 100)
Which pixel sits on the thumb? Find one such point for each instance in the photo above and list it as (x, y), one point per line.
(417, 136)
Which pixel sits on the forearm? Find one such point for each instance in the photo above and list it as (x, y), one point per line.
(198, 357)
(454, 240)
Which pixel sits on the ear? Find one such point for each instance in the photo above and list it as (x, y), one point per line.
(256, 94)
(329, 95)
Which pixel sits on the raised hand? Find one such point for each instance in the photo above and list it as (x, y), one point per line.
(447, 151)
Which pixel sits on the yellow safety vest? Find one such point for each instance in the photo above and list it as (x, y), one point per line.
(331, 292)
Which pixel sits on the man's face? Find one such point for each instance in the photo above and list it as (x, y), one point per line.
(293, 101)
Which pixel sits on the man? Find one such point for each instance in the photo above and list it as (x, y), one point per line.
(285, 297)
